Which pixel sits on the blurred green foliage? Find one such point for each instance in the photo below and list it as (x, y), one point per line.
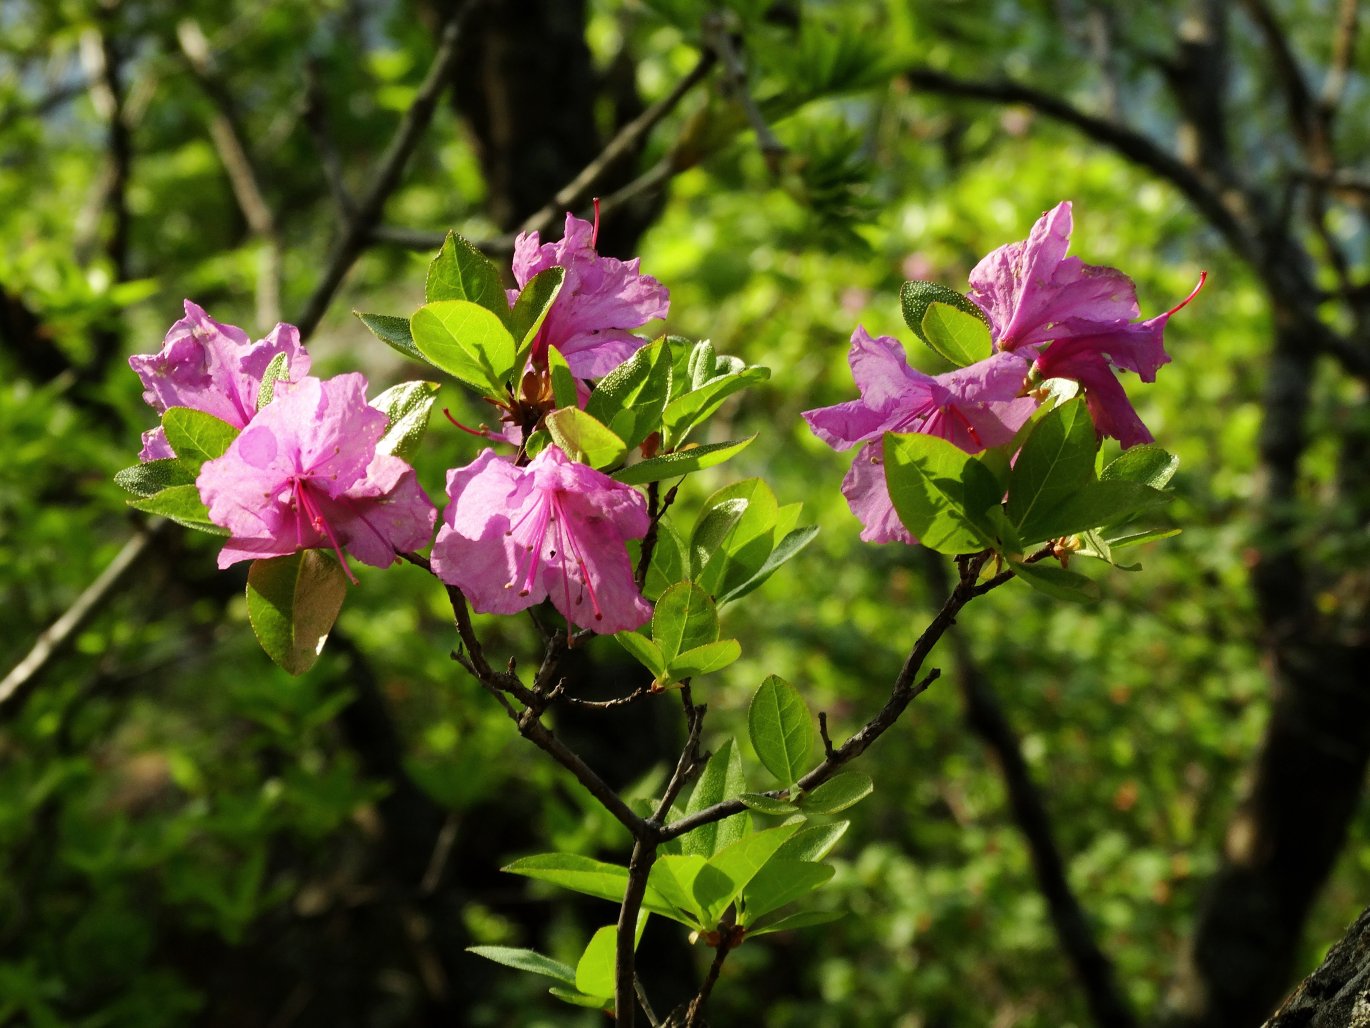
(174, 808)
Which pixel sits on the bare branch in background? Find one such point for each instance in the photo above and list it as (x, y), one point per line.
(229, 142)
(720, 41)
(358, 226)
(61, 633)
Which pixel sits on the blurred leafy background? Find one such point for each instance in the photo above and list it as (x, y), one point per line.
(191, 837)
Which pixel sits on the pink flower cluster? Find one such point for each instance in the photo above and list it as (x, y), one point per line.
(1050, 316)
(305, 471)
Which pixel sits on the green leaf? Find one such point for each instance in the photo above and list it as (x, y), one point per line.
(789, 546)
(1134, 539)
(1058, 582)
(668, 561)
(564, 390)
(925, 475)
(802, 919)
(681, 462)
(181, 504)
(779, 882)
(574, 872)
(685, 412)
(395, 333)
(526, 960)
(461, 272)
(1096, 504)
(292, 603)
(705, 660)
(151, 477)
(812, 842)
(275, 371)
(673, 878)
(838, 793)
(595, 970)
(530, 310)
(1056, 461)
(721, 779)
(466, 341)
(736, 865)
(734, 535)
(685, 617)
(583, 438)
(408, 406)
(961, 338)
(1147, 465)
(700, 365)
(195, 435)
(764, 804)
(916, 297)
(781, 729)
(646, 652)
(630, 398)
(579, 999)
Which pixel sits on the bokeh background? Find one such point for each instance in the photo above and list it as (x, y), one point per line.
(189, 836)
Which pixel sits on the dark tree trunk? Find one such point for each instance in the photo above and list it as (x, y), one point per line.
(1337, 994)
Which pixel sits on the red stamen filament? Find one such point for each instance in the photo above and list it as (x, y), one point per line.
(482, 433)
(305, 503)
(1203, 277)
(594, 232)
(580, 563)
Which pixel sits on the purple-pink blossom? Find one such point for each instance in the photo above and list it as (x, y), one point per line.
(305, 473)
(214, 368)
(555, 529)
(1073, 320)
(601, 299)
(974, 407)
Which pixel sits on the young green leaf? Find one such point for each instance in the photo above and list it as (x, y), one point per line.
(764, 804)
(1058, 582)
(1147, 465)
(526, 960)
(153, 476)
(564, 390)
(583, 438)
(595, 970)
(1056, 461)
(292, 603)
(181, 504)
(673, 878)
(681, 462)
(801, 919)
(721, 779)
(926, 478)
(916, 297)
(461, 272)
(395, 333)
(735, 866)
(812, 842)
(838, 793)
(688, 410)
(574, 872)
(779, 882)
(961, 338)
(781, 729)
(466, 341)
(685, 617)
(195, 435)
(646, 652)
(408, 406)
(705, 660)
(734, 535)
(530, 310)
(630, 398)
(275, 371)
(789, 546)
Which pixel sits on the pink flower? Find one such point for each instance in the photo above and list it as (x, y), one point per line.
(600, 300)
(975, 408)
(513, 536)
(213, 368)
(1077, 317)
(305, 473)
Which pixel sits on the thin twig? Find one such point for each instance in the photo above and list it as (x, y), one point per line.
(623, 143)
(907, 687)
(357, 229)
(61, 632)
(1343, 52)
(652, 1019)
(640, 864)
(696, 1007)
(823, 733)
(720, 40)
